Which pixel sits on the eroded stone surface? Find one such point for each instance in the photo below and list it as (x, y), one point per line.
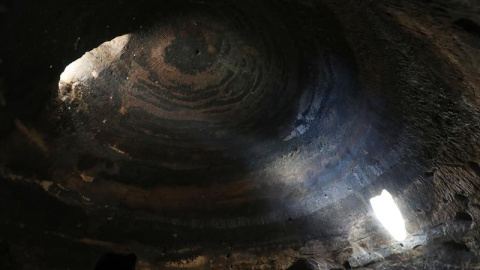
(217, 134)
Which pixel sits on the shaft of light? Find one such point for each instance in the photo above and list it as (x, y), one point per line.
(389, 215)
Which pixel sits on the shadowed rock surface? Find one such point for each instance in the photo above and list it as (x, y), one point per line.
(238, 134)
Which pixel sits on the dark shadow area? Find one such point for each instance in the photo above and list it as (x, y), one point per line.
(113, 261)
(463, 216)
(227, 130)
(7, 261)
(469, 26)
(301, 264)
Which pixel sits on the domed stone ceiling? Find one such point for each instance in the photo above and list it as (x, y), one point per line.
(202, 103)
(238, 134)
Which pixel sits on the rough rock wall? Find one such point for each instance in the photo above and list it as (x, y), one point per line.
(243, 135)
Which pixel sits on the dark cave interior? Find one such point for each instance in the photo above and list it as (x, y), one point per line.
(225, 134)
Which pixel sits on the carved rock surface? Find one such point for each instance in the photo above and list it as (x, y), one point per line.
(238, 134)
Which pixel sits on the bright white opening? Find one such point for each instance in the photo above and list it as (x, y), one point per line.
(89, 66)
(389, 215)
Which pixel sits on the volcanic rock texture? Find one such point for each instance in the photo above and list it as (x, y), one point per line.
(251, 134)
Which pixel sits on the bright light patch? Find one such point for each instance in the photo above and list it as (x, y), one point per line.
(90, 66)
(389, 215)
